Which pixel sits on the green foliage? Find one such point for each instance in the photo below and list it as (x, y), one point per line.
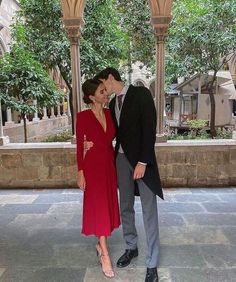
(224, 133)
(201, 39)
(101, 41)
(201, 35)
(23, 79)
(64, 136)
(135, 21)
(197, 123)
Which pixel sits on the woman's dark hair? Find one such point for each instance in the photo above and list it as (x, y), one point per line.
(105, 73)
(89, 87)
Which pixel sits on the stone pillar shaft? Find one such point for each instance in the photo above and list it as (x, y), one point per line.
(76, 78)
(160, 85)
(1, 125)
(45, 113)
(36, 117)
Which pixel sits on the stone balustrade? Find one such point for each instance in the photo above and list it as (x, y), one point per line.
(182, 164)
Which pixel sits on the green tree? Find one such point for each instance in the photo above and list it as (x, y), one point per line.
(201, 39)
(135, 21)
(39, 29)
(22, 80)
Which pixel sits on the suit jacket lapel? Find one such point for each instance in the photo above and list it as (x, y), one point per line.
(113, 113)
(126, 103)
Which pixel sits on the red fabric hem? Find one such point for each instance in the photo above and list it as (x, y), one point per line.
(99, 235)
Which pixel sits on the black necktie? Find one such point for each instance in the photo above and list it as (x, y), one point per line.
(119, 97)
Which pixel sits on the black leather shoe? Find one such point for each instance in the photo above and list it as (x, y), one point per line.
(151, 275)
(126, 258)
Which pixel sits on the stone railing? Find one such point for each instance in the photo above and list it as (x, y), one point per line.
(182, 164)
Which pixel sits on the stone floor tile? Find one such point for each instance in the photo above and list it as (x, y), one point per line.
(171, 219)
(219, 255)
(56, 198)
(24, 208)
(74, 255)
(230, 233)
(75, 207)
(202, 275)
(181, 256)
(192, 234)
(6, 219)
(33, 222)
(220, 207)
(53, 274)
(195, 198)
(17, 199)
(41, 240)
(27, 256)
(57, 236)
(230, 197)
(211, 219)
(180, 207)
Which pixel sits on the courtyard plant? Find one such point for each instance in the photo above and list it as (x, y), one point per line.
(202, 40)
(23, 80)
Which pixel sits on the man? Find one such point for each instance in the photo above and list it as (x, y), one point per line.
(134, 115)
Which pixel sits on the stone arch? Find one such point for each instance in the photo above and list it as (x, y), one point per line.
(152, 87)
(139, 82)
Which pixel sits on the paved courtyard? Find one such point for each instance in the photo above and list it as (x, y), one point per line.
(40, 238)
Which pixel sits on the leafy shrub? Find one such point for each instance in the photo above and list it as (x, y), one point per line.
(64, 136)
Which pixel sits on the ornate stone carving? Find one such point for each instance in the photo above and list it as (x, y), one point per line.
(72, 8)
(160, 7)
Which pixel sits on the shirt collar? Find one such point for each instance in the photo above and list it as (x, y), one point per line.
(124, 90)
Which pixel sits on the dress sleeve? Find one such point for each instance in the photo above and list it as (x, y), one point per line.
(80, 133)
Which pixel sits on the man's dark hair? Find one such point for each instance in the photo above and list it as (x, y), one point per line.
(105, 73)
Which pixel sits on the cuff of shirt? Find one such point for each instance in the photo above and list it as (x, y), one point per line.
(142, 163)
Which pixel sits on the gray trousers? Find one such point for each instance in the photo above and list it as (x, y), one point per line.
(149, 208)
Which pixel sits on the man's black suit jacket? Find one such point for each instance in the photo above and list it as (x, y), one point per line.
(137, 133)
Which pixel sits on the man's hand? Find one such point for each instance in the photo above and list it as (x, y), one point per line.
(81, 180)
(87, 145)
(139, 171)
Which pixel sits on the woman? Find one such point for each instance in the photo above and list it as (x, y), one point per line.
(96, 170)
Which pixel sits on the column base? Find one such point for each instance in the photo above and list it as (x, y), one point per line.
(36, 119)
(161, 138)
(73, 139)
(234, 135)
(44, 118)
(9, 123)
(4, 140)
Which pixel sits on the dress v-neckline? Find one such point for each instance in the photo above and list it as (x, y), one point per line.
(103, 129)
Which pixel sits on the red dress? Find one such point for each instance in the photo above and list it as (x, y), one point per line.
(100, 205)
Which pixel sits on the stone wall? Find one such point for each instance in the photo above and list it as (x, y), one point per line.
(36, 130)
(182, 164)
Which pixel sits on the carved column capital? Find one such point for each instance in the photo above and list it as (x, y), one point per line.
(73, 28)
(160, 25)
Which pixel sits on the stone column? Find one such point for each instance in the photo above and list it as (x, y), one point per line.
(58, 110)
(160, 35)
(74, 35)
(45, 113)
(52, 113)
(9, 118)
(68, 106)
(36, 117)
(3, 139)
(160, 19)
(63, 107)
(73, 21)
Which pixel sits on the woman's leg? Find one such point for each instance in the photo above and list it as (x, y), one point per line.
(104, 256)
